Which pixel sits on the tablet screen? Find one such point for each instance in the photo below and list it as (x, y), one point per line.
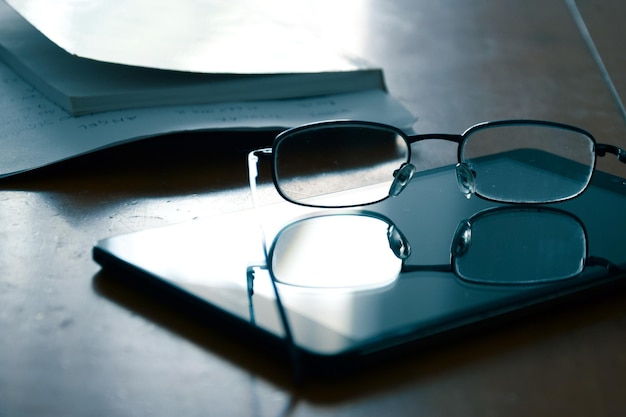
(378, 306)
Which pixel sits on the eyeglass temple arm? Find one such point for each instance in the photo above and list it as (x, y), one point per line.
(298, 376)
(253, 173)
(603, 148)
(250, 271)
(602, 262)
(590, 261)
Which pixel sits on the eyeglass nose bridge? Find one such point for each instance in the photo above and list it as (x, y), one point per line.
(466, 179)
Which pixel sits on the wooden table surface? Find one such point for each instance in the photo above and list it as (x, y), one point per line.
(74, 341)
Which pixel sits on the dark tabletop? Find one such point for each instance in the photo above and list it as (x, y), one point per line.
(74, 341)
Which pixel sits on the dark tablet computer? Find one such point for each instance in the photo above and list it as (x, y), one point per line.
(362, 285)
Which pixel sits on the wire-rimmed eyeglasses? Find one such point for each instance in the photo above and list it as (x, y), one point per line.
(364, 250)
(511, 161)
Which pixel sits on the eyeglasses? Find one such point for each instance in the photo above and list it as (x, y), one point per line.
(511, 161)
(365, 250)
(362, 250)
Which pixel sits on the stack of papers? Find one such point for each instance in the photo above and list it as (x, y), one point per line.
(69, 86)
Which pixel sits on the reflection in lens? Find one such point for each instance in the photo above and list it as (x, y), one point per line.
(517, 246)
(323, 159)
(336, 251)
(528, 163)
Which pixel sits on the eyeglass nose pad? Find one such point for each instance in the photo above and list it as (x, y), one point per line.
(401, 178)
(398, 243)
(462, 238)
(466, 179)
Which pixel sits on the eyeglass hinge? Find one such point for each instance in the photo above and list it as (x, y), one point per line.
(603, 148)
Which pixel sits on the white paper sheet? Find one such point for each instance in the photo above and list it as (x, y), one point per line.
(209, 36)
(35, 132)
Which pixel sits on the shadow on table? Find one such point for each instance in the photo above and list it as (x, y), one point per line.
(177, 164)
